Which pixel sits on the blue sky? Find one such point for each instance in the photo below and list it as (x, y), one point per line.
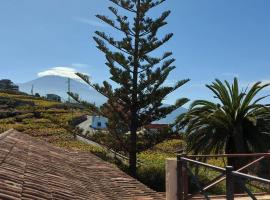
(213, 39)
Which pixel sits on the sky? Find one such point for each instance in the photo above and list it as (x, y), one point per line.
(212, 39)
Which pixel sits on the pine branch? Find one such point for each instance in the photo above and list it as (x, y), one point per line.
(146, 49)
(124, 24)
(111, 59)
(104, 93)
(122, 46)
(108, 21)
(157, 112)
(152, 26)
(117, 57)
(106, 90)
(154, 61)
(89, 106)
(127, 5)
(158, 93)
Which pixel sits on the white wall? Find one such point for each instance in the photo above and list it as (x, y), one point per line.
(99, 122)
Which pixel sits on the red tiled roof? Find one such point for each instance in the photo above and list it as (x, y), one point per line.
(31, 169)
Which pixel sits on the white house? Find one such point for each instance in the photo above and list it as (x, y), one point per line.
(98, 122)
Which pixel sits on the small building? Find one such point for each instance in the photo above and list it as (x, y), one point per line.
(156, 127)
(98, 122)
(152, 128)
(53, 97)
(6, 84)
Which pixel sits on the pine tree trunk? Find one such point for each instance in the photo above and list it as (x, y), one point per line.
(133, 150)
(134, 117)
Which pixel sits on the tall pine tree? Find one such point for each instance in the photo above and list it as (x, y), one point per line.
(140, 76)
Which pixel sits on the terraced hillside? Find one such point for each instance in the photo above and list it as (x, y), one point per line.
(38, 117)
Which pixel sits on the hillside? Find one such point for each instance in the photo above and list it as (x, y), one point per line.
(37, 117)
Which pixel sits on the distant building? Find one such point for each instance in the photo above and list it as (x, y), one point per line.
(6, 84)
(155, 127)
(151, 128)
(98, 122)
(53, 97)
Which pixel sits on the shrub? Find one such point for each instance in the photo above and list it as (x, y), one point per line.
(147, 138)
(77, 120)
(153, 176)
(152, 171)
(170, 146)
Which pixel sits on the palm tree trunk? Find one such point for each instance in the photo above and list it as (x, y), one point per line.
(236, 145)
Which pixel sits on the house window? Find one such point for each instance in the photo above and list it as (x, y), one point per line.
(99, 124)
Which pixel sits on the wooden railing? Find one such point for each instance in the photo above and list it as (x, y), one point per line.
(228, 173)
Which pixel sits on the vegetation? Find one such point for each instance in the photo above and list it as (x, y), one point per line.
(6, 84)
(145, 139)
(34, 116)
(139, 76)
(239, 123)
(152, 171)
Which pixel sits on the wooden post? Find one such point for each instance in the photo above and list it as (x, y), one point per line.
(229, 183)
(269, 168)
(179, 178)
(171, 179)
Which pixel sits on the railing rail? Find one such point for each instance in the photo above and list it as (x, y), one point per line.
(228, 174)
(250, 177)
(220, 169)
(229, 155)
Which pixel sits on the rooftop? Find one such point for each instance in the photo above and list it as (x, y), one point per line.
(156, 126)
(33, 169)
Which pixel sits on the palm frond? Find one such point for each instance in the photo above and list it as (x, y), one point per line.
(210, 127)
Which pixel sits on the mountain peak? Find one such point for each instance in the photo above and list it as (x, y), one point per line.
(53, 84)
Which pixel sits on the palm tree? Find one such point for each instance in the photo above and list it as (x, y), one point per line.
(239, 123)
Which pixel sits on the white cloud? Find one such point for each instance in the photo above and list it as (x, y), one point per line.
(170, 82)
(60, 71)
(234, 75)
(90, 22)
(79, 65)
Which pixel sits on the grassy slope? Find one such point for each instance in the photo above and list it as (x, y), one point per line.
(36, 117)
